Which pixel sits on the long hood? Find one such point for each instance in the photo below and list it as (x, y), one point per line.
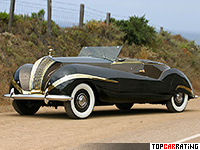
(78, 60)
(35, 78)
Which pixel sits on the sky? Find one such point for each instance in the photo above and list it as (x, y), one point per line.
(183, 15)
(176, 16)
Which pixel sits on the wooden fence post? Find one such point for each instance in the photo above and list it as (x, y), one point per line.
(49, 5)
(81, 17)
(11, 14)
(107, 19)
(161, 29)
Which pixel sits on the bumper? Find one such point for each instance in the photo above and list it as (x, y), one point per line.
(44, 97)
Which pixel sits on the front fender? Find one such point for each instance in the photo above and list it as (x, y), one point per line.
(66, 78)
(21, 78)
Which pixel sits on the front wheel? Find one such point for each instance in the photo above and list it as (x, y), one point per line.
(26, 107)
(82, 104)
(178, 102)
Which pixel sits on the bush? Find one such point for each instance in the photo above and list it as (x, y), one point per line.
(39, 15)
(4, 17)
(137, 30)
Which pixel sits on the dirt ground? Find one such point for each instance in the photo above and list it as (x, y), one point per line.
(53, 129)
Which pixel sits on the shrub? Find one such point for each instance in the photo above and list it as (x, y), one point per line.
(4, 17)
(137, 30)
(39, 15)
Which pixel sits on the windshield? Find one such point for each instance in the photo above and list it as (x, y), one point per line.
(109, 52)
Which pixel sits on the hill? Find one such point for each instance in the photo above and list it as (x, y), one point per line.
(27, 41)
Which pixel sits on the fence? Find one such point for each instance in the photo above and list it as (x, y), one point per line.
(63, 13)
(67, 14)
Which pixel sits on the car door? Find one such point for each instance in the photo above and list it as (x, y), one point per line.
(131, 80)
(139, 82)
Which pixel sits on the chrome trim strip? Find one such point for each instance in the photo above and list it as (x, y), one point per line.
(78, 76)
(17, 86)
(185, 88)
(56, 83)
(127, 61)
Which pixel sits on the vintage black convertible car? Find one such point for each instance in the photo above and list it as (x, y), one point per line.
(97, 77)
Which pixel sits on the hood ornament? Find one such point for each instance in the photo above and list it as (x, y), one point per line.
(50, 52)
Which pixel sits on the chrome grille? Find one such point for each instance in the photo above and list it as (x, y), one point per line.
(40, 72)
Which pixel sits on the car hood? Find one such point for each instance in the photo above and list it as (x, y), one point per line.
(84, 60)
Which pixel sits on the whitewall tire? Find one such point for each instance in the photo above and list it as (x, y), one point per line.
(82, 104)
(178, 102)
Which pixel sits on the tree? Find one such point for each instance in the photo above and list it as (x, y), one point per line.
(137, 30)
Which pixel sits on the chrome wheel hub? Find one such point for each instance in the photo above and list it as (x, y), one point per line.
(179, 99)
(82, 100)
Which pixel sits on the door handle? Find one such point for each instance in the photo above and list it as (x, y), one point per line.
(142, 71)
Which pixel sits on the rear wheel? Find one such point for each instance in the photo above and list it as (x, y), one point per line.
(124, 106)
(178, 102)
(83, 101)
(26, 107)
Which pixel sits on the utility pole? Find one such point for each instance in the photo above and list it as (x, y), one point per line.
(11, 14)
(49, 5)
(81, 17)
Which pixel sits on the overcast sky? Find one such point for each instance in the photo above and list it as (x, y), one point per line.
(177, 16)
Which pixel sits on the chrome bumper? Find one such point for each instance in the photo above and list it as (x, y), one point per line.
(44, 97)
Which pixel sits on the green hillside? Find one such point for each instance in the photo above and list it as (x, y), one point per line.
(27, 41)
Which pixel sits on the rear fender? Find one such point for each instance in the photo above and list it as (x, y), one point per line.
(179, 82)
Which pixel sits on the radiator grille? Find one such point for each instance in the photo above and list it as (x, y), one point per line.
(40, 72)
